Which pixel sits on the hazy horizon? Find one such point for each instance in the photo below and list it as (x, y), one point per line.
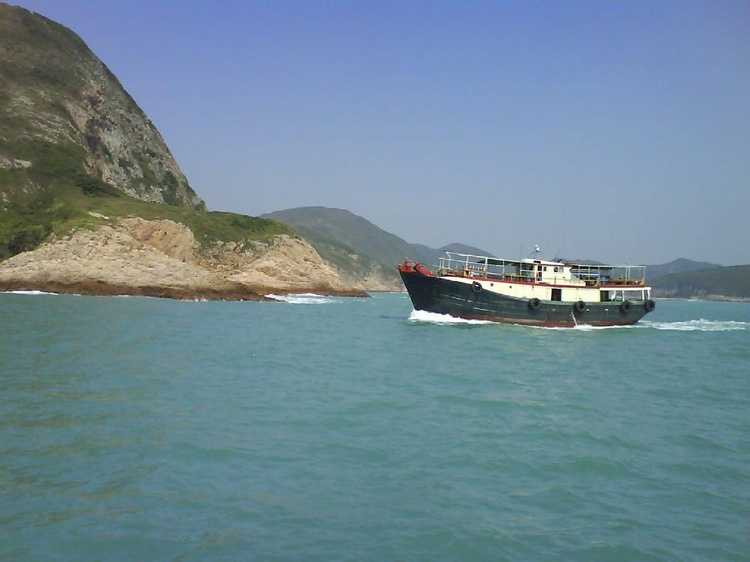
(614, 131)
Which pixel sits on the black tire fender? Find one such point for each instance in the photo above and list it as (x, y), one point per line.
(534, 303)
(649, 305)
(625, 306)
(579, 306)
(476, 286)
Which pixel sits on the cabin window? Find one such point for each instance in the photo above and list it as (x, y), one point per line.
(556, 294)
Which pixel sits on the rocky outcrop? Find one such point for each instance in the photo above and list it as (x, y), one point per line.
(161, 258)
(54, 92)
(289, 264)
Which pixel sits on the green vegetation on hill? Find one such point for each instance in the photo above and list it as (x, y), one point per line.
(342, 256)
(352, 243)
(348, 230)
(717, 283)
(54, 164)
(27, 221)
(32, 34)
(27, 216)
(679, 265)
(355, 245)
(69, 195)
(208, 227)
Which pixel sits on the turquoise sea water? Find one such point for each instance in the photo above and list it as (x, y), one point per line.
(355, 429)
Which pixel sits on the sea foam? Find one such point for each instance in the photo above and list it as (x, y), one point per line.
(435, 318)
(700, 325)
(30, 293)
(303, 298)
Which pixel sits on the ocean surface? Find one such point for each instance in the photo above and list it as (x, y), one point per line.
(356, 429)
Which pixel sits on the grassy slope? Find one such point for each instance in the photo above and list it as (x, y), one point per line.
(26, 224)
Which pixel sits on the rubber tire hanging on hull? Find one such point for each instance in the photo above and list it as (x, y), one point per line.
(649, 305)
(580, 306)
(625, 306)
(534, 303)
(476, 286)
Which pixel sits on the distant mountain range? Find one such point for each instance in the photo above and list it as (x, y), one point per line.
(358, 248)
(713, 283)
(680, 265)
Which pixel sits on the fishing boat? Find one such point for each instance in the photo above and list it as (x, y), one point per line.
(529, 291)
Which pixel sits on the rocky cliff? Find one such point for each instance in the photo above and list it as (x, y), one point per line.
(92, 201)
(162, 258)
(64, 114)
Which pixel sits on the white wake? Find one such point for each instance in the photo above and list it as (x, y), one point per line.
(435, 318)
(304, 298)
(29, 293)
(701, 325)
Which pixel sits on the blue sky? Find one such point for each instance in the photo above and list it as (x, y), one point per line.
(617, 131)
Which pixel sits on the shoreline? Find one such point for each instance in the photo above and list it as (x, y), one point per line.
(101, 289)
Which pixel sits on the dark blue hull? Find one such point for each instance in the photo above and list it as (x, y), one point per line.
(445, 296)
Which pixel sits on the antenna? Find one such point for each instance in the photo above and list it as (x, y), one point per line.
(536, 251)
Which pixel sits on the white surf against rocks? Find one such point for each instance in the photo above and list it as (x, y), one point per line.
(304, 298)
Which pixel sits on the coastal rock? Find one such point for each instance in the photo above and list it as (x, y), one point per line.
(172, 239)
(290, 264)
(161, 258)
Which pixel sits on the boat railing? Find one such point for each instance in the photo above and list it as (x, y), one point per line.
(633, 275)
(633, 294)
(475, 266)
(470, 265)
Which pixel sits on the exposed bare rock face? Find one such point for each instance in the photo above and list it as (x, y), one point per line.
(172, 239)
(54, 92)
(291, 265)
(161, 258)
